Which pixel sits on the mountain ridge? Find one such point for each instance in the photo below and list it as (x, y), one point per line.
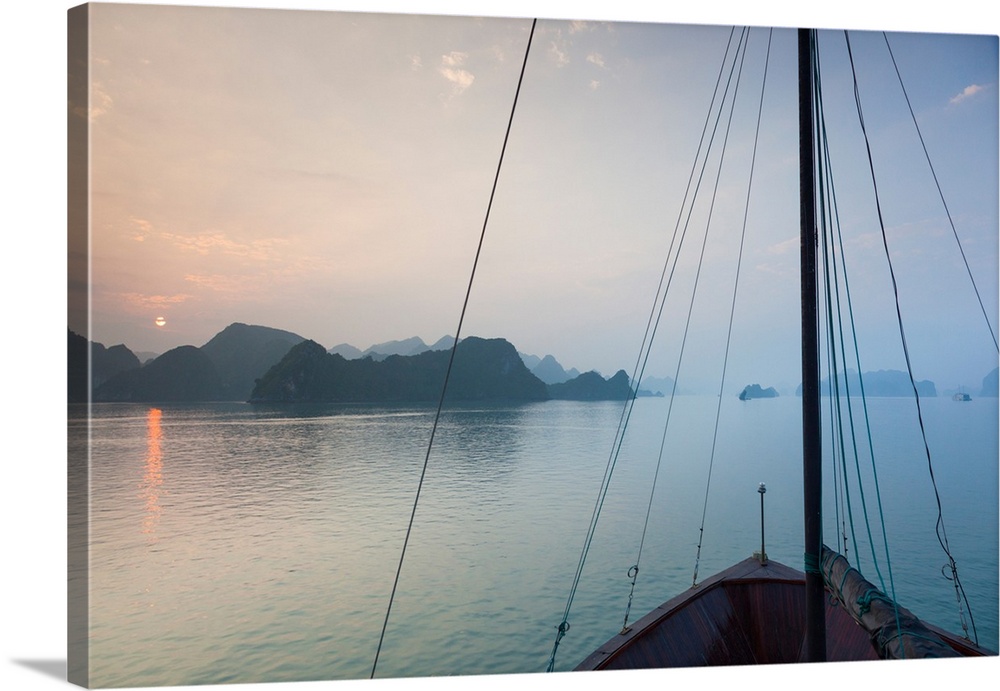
(482, 369)
(223, 369)
(240, 354)
(546, 368)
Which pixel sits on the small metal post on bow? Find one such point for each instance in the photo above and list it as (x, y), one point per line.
(763, 555)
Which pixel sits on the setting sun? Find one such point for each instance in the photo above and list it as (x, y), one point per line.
(160, 321)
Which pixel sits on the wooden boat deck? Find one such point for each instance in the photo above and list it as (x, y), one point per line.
(748, 614)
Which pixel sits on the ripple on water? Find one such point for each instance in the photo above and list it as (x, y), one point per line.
(233, 546)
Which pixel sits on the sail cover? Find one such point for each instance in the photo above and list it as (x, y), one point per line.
(895, 632)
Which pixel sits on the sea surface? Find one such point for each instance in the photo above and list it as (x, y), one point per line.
(239, 543)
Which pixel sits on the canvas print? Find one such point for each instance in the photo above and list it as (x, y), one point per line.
(407, 346)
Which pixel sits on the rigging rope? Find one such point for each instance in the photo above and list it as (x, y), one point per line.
(939, 526)
(940, 192)
(651, 327)
(831, 217)
(831, 227)
(454, 347)
(634, 570)
(732, 310)
(840, 512)
(835, 326)
(694, 291)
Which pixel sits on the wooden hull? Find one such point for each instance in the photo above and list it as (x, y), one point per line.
(746, 615)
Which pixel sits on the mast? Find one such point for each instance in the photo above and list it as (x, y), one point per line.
(812, 475)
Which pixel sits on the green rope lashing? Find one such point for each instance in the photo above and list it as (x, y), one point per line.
(633, 573)
(865, 600)
(811, 563)
(900, 634)
(844, 577)
(562, 629)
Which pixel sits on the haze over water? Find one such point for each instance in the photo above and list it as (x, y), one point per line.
(234, 543)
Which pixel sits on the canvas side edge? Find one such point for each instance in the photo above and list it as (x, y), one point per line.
(78, 368)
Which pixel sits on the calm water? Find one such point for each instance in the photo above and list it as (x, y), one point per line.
(234, 543)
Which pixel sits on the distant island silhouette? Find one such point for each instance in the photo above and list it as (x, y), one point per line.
(878, 384)
(483, 369)
(752, 391)
(261, 364)
(247, 362)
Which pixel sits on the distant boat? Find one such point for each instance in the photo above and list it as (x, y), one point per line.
(961, 397)
(759, 611)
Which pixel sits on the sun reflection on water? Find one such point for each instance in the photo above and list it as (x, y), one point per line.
(152, 476)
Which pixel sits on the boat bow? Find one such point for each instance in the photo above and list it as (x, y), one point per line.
(754, 613)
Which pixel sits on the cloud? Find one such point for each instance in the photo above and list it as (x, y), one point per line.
(218, 283)
(265, 249)
(775, 268)
(784, 247)
(451, 69)
(260, 283)
(143, 229)
(454, 58)
(461, 79)
(967, 93)
(558, 54)
(596, 59)
(100, 102)
(205, 243)
(143, 302)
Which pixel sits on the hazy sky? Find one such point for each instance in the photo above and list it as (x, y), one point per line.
(328, 173)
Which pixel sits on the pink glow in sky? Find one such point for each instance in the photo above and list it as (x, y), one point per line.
(328, 173)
